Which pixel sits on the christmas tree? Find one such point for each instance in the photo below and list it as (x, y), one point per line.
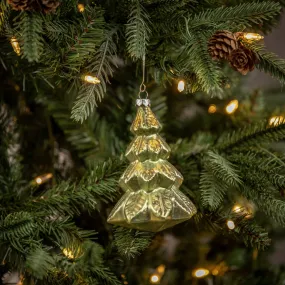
(70, 77)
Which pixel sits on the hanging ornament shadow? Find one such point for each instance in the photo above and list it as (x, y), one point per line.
(152, 199)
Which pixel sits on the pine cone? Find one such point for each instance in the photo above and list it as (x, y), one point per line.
(21, 5)
(243, 59)
(221, 44)
(49, 6)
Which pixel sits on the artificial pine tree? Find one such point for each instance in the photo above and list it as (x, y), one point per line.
(69, 83)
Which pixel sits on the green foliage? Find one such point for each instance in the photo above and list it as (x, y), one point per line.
(30, 28)
(207, 72)
(270, 63)
(245, 14)
(252, 234)
(131, 243)
(88, 138)
(102, 180)
(57, 30)
(16, 226)
(65, 198)
(222, 169)
(137, 31)
(89, 36)
(101, 66)
(4, 15)
(40, 262)
(92, 261)
(261, 133)
(212, 190)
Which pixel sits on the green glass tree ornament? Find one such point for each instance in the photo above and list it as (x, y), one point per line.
(152, 201)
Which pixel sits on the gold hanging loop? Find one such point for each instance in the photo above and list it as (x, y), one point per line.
(143, 86)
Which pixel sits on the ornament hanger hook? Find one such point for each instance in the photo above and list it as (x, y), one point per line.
(143, 86)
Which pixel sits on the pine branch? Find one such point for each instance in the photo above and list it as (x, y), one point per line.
(90, 94)
(94, 138)
(58, 30)
(88, 38)
(40, 262)
(105, 276)
(223, 169)
(246, 14)
(259, 189)
(4, 16)
(252, 234)
(82, 137)
(65, 198)
(62, 232)
(137, 31)
(269, 62)
(207, 72)
(131, 243)
(264, 162)
(16, 226)
(102, 181)
(260, 133)
(92, 262)
(212, 190)
(274, 208)
(30, 27)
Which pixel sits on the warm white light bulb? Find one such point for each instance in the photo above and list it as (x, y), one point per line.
(212, 109)
(237, 208)
(181, 86)
(68, 253)
(231, 225)
(91, 79)
(43, 178)
(232, 106)
(252, 36)
(39, 180)
(15, 45)
(81, 7)
(201, 272)
(154, 278)
(276, 120)
(215, 272)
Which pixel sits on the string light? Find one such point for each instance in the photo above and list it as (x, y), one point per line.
(212, 109)
(237, 208)
(15, 45)
(91, 79)
(246, 210)
(232, 106)
(68, 253)
(81, 7)
(215, 272)
(201, 272)
(181, 86)
(252, 36)
(276, 120)
(231, 225)
(124, 278)
(43, 178)
(160, 269)
(154, 278)
(219, 269)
